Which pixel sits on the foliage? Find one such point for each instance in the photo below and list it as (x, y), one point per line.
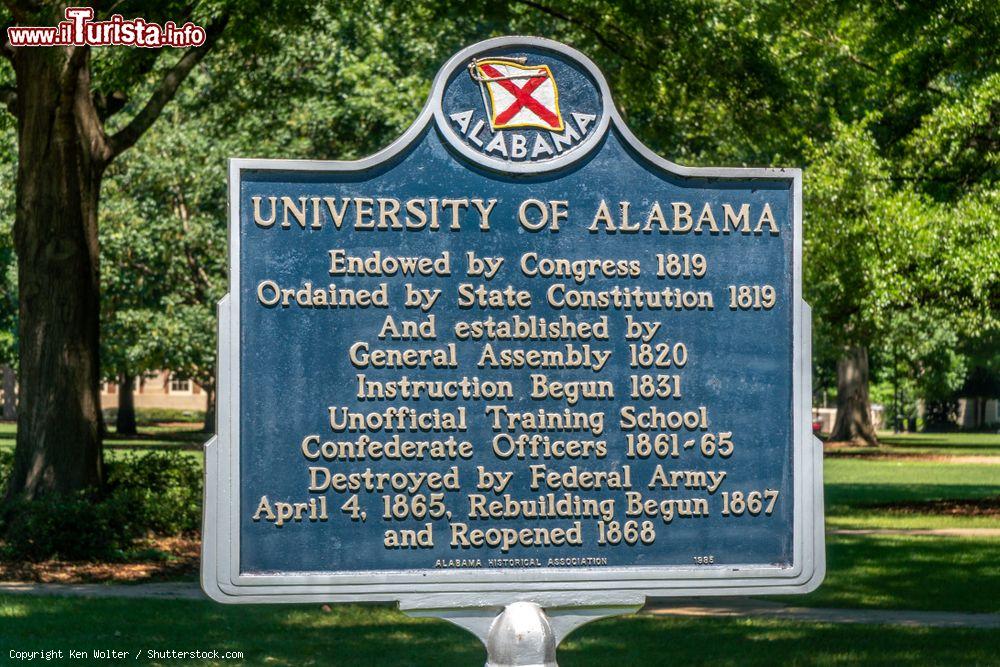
(163, 245)
(156, 492)
(162, 253)
(70, 527)
(892, 110)
(164, 491)
(902, 249)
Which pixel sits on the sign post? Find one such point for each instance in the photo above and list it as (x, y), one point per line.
(515, 370)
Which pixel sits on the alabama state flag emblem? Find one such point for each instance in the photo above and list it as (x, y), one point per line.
(516, 94)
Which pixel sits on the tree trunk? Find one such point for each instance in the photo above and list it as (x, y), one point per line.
(55, 235)
(210, 408)
(854, 417)
(125, 421)
(63, 150)
(9, 394)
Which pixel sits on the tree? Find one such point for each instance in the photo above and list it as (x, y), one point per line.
(130, 294)
(919, 275)
(66, 101)
(164, 241)
(844, 185)
(897, 233)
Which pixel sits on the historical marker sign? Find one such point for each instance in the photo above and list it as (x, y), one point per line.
(513, 352)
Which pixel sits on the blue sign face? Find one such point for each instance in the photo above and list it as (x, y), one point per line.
(516, 340)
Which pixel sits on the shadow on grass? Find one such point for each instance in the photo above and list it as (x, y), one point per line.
(360, 635)
(722, 642)
(271, 635)
(840, 497)
(909, 572)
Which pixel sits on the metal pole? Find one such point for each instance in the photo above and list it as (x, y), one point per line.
(522, 633)
(521, 637)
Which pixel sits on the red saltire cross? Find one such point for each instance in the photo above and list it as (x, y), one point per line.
(522, 97)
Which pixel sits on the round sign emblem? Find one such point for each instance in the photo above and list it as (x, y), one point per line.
(522, 105)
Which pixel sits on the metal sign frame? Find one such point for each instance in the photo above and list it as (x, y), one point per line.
(220, 575)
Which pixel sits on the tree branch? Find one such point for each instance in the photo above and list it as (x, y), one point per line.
(142, 62)
(109, 105)
(164, 92)
(77, 59)
(586, 25)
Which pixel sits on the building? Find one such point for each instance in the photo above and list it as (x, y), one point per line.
(978, 413)
(159, 389)
(826, 417)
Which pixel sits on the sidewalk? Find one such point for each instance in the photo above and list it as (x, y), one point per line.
(697, 607)
(164, 591)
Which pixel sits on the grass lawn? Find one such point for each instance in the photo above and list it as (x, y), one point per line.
(929, 444)
(910, 573)
(880, 493)
(983, 442)
(379, 635)
(901, 572)
(906, 473)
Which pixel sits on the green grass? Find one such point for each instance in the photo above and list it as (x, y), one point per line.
(853, 484)
(927, 444)
(911, 473)
(909, 572)
(859, 492)
(723, 642)
(357, 635)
